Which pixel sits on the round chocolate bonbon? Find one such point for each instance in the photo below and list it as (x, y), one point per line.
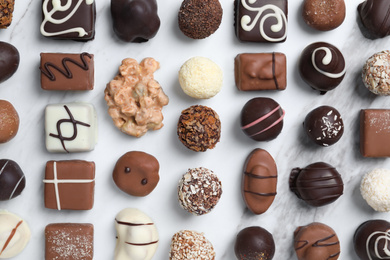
(322, 66)
(12, 180)
(254, 243)
(375, 189)
(262, 119)
(376, 73)
(9, 60)
(188, 244)
(374, 16)
(9, 121)
(323, 15)
(136, 173)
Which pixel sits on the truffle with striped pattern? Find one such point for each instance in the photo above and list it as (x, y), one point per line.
(12, 179)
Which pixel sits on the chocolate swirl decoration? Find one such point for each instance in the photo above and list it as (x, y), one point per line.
(379, 250)
(330, 61)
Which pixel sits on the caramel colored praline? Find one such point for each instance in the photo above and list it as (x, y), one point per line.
(9, 121)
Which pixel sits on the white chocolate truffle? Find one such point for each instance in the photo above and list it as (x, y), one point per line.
(14, 234)
(375, 189)
(200, 78)
(137, 237)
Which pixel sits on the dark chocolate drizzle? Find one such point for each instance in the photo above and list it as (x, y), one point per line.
(11, 235)
(133, 224)
(260, 177)
(67, 72)
(261, 194)
(142, 244)
(318, 244)
(70, 120)
(274, 71)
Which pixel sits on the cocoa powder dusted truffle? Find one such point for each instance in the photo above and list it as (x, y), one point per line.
(199, 128)
(376, 73)
(6, 10)
(188, 244)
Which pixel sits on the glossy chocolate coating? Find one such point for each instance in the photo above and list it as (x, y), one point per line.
(254, 243)
(136, 173)
(324, 125)
(316, 241)
(135, 20)
(318, 184)
(9, 60)
(371, 240)
(374, 16)
(262, 119)
(12, 180)
(9, 121)
(323, 15)
(322, 66)
(259, 181)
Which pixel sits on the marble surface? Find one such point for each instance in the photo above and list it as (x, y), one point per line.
(171, 48)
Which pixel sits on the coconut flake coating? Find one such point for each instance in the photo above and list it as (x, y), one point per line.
(376, 73)
(187, 244)
(375, 189)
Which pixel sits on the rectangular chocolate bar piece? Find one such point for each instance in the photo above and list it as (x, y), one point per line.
(70, 241)
(260, 71)
(65, 71)
(375, 132)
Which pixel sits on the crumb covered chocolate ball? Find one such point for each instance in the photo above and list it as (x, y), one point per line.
(199, 128)
(199, 191)
(188, 244)
(323, 15)
(376, 73)
(375, 189)
(9, 121)
(254, 243)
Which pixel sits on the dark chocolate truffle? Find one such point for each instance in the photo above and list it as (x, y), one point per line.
(9, 61)
(9, 121)
(324, 125)
(136, 173)
(199, 19)
(12, 180)
(318, 184)
(322, 66)
(374, 16)
(254, 243)
(262, 119)
(135, 20)
(323, 15)
(371, 240)
(316, 241)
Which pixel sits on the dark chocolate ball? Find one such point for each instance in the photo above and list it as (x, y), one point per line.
(12, 180)
(262, 119)
(374, 16)
(9, 60)
(322, 66)
(254, 243)
(371, 240)
(318, 184)
(324, 125)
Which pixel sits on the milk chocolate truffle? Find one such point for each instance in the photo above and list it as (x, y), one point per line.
(188, 244)
(371, 240)
(322, 66)
(316, 241)
(375, 189)
(318, 184)
(9, 121)
(6, 10)
(324, 125)
(262, 119)
(9, 61)
(135, 20)
(323, 15)
(376, 73)
(12, 180)
(199, 19)
(374, 16)
(254, 243)
(136, 173)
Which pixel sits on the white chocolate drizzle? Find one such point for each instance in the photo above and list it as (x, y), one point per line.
(326, 61)
(382, 235)
(247, 24)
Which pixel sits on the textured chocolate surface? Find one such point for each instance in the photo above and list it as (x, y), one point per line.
(65, 71)
(12, 179)
(254, 243)
(9, 60)
(69, 185)
(374, 16)
(9, 121)
(322, 66)
(262, 119)
(318, 184)
(260, 71)
(6, 10)
(259, 181)
(376, 73)
(135, 20)
(261, 20)
(188, 244)
(323, 15)
(136, 173)
(316, 241)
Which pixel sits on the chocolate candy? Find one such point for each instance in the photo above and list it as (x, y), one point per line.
(374, 189)
(70, 241)
(188, 244)
(137, 236)
(136, 173)
(261, 20)
(262, 119)
(6, 10)
(371, 240)
(12, 179)
(70, 20)
(323, 16)
(135, 20)
(324, 125)
(318, 184)
(376, 73)
(9, 60)
(254, 243)
(374, 16)
(316, 241)
(322, 66)
(9, 121)
(260, 71)
(259, 181)
(65, 71)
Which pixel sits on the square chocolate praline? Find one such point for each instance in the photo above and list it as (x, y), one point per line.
(69, 185)
(261, 21)
(260, 71)
(70, 241)
(77, 22)
(375, 132)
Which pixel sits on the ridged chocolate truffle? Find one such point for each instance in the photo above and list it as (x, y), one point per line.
(254, 243)
(12, 180)
(374, 16)
(9, 60)
(9, 121)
